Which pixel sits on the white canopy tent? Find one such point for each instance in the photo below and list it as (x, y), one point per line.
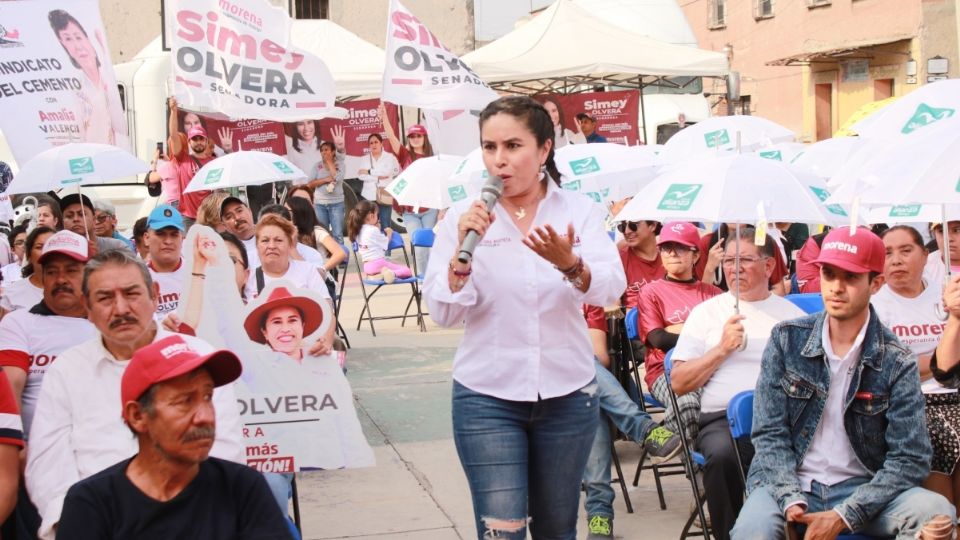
(566, 40)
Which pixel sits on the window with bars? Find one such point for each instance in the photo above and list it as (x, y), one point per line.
(762, 9)
(718, 13)
(312, 9)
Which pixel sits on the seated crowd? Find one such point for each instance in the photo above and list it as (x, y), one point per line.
(856, 423)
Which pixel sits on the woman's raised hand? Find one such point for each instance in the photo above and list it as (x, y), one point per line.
(556, 249)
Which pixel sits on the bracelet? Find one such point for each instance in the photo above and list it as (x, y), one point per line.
(574, 270)
(459, 273)
(195, 274)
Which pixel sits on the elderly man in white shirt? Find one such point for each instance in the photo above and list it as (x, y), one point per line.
(78, 430)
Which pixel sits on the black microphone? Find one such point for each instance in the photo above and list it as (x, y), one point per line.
(490, 194)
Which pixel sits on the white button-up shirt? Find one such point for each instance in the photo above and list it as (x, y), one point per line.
(78, 429)
(830, 459)
(525, 334)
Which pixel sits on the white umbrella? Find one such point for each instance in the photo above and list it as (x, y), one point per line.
(733, 188)
(606, 171)
(75, 164)
(825, 158)
(912, 213)
(740, 188)
(913, 113)
(471, 166)
(429, 183)
(785, 151)
(721, 133)
(921, 169)
(244, 168)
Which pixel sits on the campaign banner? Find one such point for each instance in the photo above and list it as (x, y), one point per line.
(236, 58)
(420, 72)
(296, 408)
(361, 121)
(617, 114)
(57, 84)
(257, 135)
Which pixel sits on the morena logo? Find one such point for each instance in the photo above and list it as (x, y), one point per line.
(678, 228)
(840, 246)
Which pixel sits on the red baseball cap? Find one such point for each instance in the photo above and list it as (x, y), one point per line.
(171, 357)
(416, 129)
(680, 232)
(196, 131)
(859, 252)
(66, 243)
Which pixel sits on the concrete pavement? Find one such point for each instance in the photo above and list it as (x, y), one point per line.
(402, 384)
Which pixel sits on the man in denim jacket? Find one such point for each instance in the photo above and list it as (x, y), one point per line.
(839, 430)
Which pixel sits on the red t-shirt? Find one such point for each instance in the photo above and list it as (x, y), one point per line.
(639, 273)
(664, 303)
(186, 168)
(11, 427)
(596, 317)
(808, 274)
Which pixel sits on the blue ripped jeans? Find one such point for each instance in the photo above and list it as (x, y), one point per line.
(525, 459)
(902, 518)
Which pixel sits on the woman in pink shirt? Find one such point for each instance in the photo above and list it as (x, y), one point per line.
(664, 307)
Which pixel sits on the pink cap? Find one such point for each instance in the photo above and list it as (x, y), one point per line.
(416, 129)
(859, 253)
(196, 131)
(680, 232)
(66, 243)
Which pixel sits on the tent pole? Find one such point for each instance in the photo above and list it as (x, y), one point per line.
(643, 112)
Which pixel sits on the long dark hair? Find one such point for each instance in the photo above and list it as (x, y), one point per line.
(534, 116)
(427, 147)
(54, 206)
(295, 134)
(305, 220)
(28, 268)
(547, 97)
(356, 216)
(60, 19)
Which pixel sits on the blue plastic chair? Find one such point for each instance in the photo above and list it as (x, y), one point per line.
(740, 418)
(808, 302)
(632, 323)
(396, 242)
(612, 235)
(695, 457)
(423, 239)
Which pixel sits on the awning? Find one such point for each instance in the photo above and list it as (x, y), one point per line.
(849, 51)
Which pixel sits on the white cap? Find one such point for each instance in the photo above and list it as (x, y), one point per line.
(67, 243)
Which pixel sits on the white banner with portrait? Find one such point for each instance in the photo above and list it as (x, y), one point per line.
(296, 408)
(56, 80)
(420, 72)
(236, 58)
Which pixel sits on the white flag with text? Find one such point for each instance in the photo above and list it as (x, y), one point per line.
(420, 72)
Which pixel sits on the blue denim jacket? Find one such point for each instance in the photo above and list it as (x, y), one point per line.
(883, 415)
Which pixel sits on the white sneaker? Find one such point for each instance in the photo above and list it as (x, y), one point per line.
(388, 275)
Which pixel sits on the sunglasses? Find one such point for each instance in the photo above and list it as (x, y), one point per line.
(623, 225)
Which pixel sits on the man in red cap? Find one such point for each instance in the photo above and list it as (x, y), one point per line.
(171, 488)
(839, 428)
(188, 152)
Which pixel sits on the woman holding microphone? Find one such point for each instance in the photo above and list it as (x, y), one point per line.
(525, 408)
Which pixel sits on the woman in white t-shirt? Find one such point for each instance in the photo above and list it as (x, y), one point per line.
(26, 293)
(910, 307)
(276, 241)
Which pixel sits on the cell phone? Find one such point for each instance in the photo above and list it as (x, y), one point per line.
(160, 147)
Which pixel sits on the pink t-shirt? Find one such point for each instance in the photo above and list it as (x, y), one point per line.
(664, 303)
(169, 183)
